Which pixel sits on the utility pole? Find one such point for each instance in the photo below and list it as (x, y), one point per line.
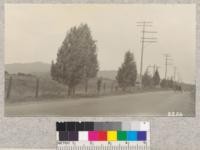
(145, 39)
(179, 78)
(155, 67)
(167, 63)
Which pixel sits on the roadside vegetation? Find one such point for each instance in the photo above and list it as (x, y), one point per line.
(74, 74)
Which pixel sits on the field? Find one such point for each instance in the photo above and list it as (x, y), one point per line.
(24, 87)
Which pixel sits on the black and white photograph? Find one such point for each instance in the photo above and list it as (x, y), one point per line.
(100, 60)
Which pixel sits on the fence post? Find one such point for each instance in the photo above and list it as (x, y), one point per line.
(9, 87)
(37, 88)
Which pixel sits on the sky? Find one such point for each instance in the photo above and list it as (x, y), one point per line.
(34, 32)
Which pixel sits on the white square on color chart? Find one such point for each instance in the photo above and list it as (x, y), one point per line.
(135, 125)
(145, 126)
(83, 136)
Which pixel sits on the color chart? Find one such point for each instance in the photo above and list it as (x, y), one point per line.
(103, 135)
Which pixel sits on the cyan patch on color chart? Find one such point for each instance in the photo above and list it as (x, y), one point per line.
(131, 135)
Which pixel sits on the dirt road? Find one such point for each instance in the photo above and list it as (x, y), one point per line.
(141, 104)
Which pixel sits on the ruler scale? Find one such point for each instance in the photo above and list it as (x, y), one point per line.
(103, 135)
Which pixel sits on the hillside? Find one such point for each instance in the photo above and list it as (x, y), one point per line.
(35, 67)
(40, 68)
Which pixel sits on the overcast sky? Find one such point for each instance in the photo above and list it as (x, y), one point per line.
(34, 32)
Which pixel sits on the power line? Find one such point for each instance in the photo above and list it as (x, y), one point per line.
(146, 38)
(167, 63)
(155, 67)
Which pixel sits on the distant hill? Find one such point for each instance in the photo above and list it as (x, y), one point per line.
(39, 68)
(35, 67)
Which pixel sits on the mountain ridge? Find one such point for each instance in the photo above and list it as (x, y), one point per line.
(42, 67)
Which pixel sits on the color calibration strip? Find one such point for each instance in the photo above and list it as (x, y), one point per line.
(94, 135)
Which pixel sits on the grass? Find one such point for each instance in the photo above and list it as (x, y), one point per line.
(23, 89)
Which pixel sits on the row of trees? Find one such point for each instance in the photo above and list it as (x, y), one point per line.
(127, 74)
(168, 83)
(149, 81)
(76, 63)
